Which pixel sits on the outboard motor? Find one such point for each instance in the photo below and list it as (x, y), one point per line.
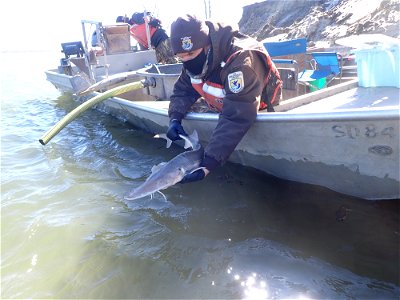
(71, 48)
(65, 67)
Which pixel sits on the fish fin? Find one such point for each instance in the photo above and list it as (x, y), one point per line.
(129, 198)
(165, 198)
(191, 141)
(164, 136)
(188, 142)
(199, 168)
(194, 136)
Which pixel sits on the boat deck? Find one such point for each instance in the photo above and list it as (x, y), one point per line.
(342, 97)
(356, 98)
(347, 97)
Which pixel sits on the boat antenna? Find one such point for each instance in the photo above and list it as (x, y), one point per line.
(207, 8)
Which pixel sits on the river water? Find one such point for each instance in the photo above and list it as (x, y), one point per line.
(67, 232)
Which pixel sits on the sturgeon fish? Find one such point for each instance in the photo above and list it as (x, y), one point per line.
(107, 82)
(169, 173)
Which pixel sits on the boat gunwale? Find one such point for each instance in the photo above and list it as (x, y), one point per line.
(378, 113)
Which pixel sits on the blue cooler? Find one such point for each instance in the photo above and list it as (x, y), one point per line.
(378, 66)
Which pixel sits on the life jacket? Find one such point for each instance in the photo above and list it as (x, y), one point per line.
(138, 32)
(214, 93)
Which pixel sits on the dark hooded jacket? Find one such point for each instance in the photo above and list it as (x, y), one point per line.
(236, 53)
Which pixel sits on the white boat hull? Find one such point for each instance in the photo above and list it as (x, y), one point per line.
(352, 152)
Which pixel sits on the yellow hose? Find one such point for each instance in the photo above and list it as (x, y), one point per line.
(88, 104)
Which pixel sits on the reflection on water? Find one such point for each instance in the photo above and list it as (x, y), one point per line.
(252, 288)
(67, 232)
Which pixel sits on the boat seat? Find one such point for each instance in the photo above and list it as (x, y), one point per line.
(326, 67)
(288, 53)
(288, 47)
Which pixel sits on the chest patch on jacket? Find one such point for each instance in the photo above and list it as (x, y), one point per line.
(236, 82)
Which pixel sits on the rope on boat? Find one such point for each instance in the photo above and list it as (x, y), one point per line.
(90, 103)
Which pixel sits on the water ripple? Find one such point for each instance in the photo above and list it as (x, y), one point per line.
(67, 232)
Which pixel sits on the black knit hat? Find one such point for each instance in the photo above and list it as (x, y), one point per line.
(188, 33)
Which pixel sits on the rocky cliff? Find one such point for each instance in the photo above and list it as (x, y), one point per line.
(320, 20)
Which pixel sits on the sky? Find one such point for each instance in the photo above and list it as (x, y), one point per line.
(45, 24)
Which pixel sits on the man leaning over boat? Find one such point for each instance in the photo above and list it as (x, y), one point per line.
(159, 39)
(231, 72)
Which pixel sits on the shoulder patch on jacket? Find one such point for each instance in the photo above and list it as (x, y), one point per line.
(236, 82)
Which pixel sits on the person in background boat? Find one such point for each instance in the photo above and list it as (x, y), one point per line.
(122, 19)
(232, 73)
(96, 48)
(159, 39)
